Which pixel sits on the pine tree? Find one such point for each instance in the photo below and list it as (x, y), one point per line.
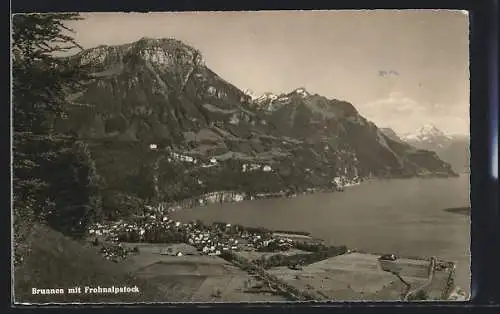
(54, 177)
(41, 79)
(74, 186)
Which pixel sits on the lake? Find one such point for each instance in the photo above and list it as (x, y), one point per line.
(412, 217)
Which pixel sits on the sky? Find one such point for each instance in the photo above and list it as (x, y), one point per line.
(400, 69)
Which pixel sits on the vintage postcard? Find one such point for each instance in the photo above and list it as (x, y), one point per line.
(267, 156)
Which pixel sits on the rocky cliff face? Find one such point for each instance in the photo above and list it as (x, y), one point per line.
(160, 91)
(154, 90)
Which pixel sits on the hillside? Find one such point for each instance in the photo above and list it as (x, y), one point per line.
(390, 133)
(55, 261)
(159, 91)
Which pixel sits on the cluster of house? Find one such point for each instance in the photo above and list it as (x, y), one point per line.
(211, 162)
(211, 244)
(211, 240)
(255, 167)
(112, 231)
(183, 158)
(344, 181)
(226, 238)
(176, 156)
(222, 196)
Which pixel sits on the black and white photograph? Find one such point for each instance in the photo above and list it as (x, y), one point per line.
(246, 156)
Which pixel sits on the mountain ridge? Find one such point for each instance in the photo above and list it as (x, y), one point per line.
(161, 91)
(452, 148)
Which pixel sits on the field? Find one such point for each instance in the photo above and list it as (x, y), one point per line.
(255, 255)
(55, 261)
(354, 276)
(194, 278)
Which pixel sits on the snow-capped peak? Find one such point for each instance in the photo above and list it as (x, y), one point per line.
(267, 96)
(427, 132)
(429, 129)
(301, 91)
(251, 93)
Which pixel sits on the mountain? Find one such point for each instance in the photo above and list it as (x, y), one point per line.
(159, 91)
(427, 137)
(251, 93)
(154, 90)
(390, 133)
(336, 125)
(453, 149)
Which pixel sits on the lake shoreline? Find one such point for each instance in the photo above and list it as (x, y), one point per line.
(243, 197)
(367, 216)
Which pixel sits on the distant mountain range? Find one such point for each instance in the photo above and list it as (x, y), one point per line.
(160, 91)
(453, 149)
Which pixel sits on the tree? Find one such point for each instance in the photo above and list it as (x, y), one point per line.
(74, 187)
(116, 204)
(54, 178)
(142, 183)
(41, 80)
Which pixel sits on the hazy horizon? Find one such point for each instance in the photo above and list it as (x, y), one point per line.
(400, 69)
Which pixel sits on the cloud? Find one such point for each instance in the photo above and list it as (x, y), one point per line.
(405, 114)
(395, 103)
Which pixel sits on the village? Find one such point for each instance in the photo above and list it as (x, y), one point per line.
(153, 238)
(285, 261)
(155, 226)
(209, 240)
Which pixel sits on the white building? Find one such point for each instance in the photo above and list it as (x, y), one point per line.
(234, 120)
(153, 146)
(267, 168)
(254, 167)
